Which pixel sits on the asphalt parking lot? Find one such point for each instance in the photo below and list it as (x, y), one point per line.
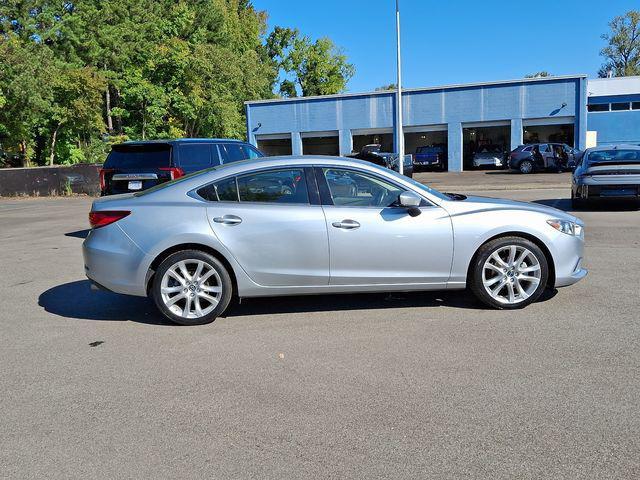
(421, 385)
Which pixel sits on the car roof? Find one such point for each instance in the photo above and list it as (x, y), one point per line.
(621, 146)
(238, 168)
(176, 141)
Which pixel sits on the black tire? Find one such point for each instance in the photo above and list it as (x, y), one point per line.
(210, 262)
(526, 166)
(577, 203)
(475, 281)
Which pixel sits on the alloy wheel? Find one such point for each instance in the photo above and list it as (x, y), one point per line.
(511, 274)
(191, 288)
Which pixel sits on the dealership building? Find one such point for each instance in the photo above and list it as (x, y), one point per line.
(574, 110)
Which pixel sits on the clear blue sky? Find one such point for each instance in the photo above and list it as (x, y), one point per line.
(449, 41)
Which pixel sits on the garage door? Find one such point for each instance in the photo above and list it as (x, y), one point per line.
(427, 140)
(274, 145)
(320, 143)
(484, 145)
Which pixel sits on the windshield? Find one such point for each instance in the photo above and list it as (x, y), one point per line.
(429, 150)
(614, 156)
(414, 183)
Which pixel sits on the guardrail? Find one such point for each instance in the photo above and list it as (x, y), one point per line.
(57, 180)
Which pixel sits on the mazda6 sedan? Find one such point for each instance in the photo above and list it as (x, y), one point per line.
(316, 225)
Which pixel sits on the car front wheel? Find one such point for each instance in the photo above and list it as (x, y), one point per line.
(509, 273)
(191, 287)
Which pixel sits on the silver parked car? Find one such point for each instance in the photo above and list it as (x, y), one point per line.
(301, 225)
(489, 156)
(607, 173)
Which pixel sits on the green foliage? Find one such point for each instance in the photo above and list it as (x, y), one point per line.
(622, 52)
(315, 68)
(541, 74)
(384, 88)
(76, 76)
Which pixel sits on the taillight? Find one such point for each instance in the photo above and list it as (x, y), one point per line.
(174, 172)
(106, 217)
(103, 181)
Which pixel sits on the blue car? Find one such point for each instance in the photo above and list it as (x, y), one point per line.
(136, 166)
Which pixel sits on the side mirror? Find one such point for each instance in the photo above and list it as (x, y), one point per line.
(411, 202)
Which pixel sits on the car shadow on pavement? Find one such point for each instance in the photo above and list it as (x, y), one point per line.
(609, 206)
(78, 234)
(77, 300)
(361, 301)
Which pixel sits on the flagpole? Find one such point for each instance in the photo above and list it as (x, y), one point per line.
(399, 130)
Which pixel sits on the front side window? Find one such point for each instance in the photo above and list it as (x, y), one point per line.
(234, 152)
(274, 186)
(349, 188)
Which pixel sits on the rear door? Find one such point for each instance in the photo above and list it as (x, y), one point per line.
(272, 223)
(192, 157)
(135, 167)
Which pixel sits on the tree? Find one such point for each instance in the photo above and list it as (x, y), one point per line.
(622, 52)
(541, 74)
(388, 87)
(315, 68)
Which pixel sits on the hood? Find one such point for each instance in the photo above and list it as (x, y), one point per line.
(483, 204)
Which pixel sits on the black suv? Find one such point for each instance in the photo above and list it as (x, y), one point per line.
(135, 166)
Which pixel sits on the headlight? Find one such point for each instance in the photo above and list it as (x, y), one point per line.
(565, 226)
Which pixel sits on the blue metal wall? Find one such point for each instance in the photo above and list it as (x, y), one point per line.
(448, 107)
(615, 127)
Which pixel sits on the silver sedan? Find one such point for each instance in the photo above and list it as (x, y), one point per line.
(301, 225)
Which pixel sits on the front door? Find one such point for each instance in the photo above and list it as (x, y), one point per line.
(374, 242)
(268, 223)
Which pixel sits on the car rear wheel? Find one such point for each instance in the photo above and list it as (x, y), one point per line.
(526, 166)
(192, 287)
(509, 273)
(577, 203)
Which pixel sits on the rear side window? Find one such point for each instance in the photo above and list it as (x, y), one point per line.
(139, 156)
(222, 191)
(196, 156)
(234, 152)
(275, 186)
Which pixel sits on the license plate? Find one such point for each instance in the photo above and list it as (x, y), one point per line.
(135, 185)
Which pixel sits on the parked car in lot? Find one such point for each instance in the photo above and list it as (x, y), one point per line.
(135, 166)
(302, 225)
(606, 173)
(432, 157)
(489, 156)
(373, 153)
(543, 156)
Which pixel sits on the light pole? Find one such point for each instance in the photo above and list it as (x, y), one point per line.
(399, 130)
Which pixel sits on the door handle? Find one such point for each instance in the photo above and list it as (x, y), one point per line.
(228, 220)
(346, 224)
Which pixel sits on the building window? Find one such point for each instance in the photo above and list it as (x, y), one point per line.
(635, 105)
(598, 107)
(616, 107)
